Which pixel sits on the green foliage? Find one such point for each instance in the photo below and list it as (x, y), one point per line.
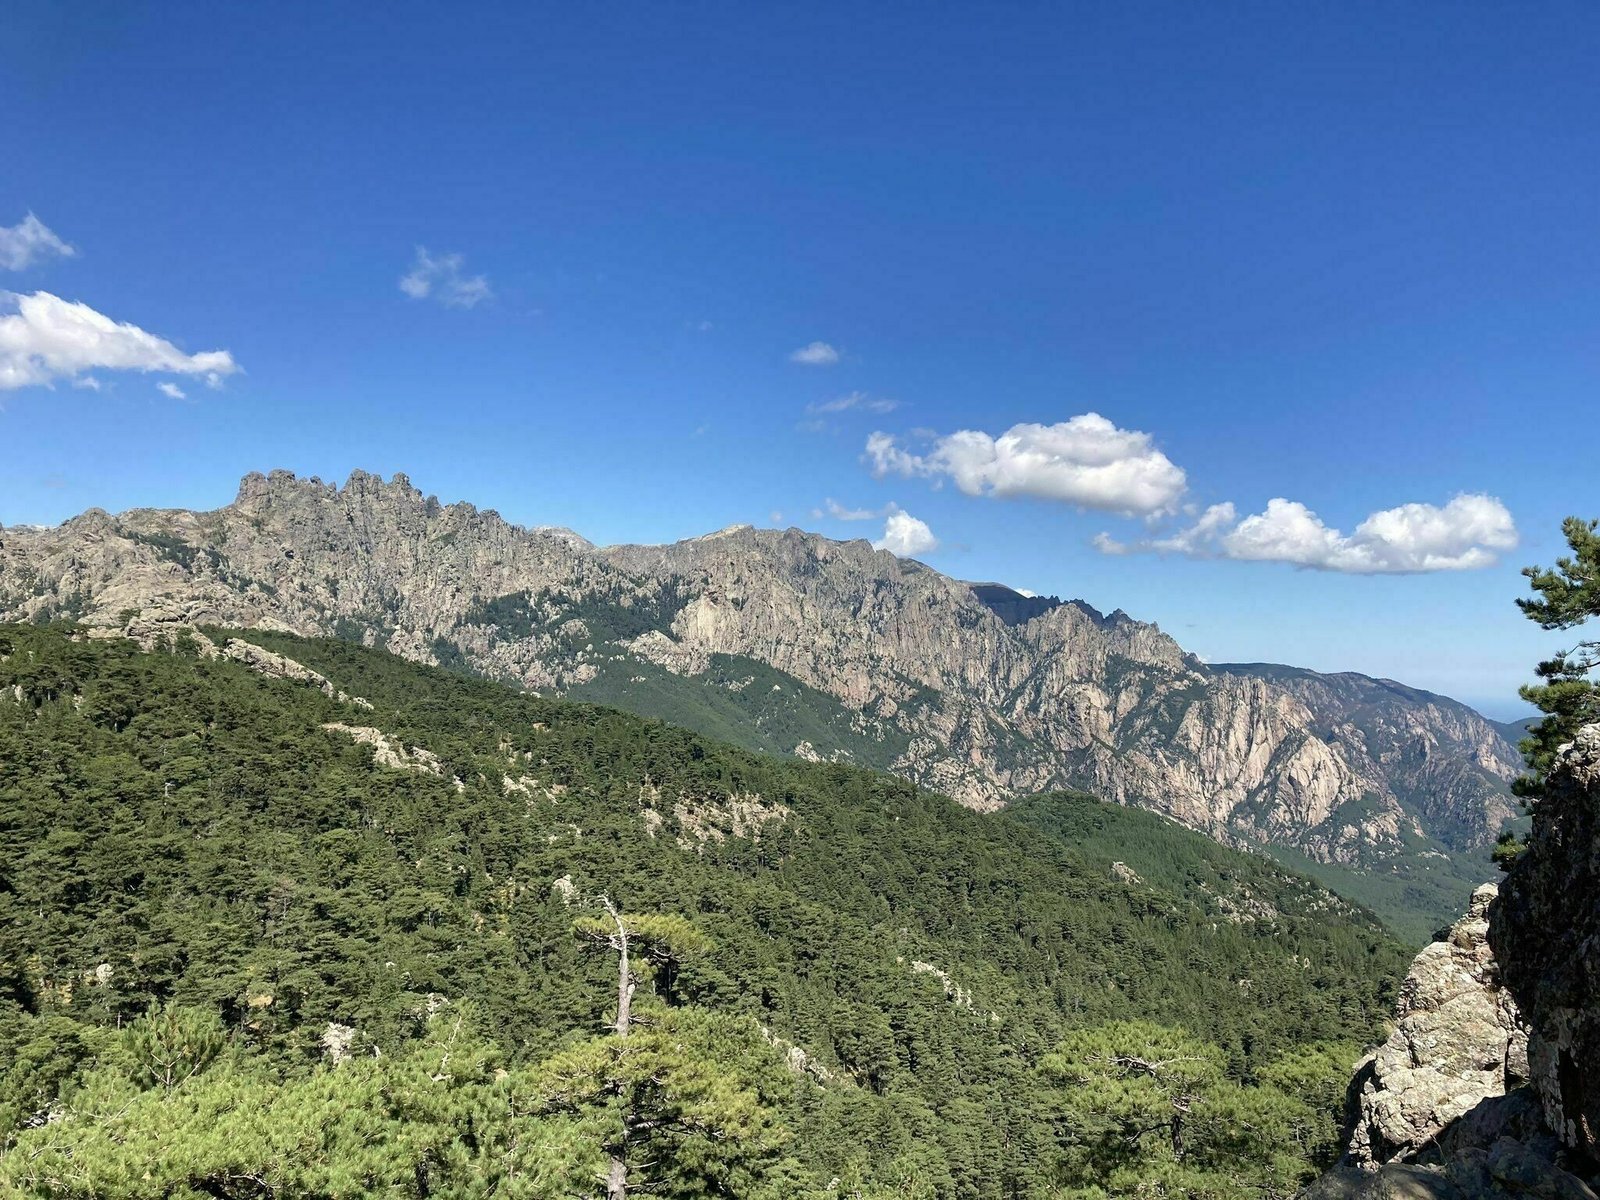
(851, 978)
(172, 548)
(249, 1128)
(1414, 897)
(1569, 594)
(746, 703)
(621, 616)
(1508, 847)
(1414, 894)
(168, 1045)
(691, 1099)
(1153, 1113)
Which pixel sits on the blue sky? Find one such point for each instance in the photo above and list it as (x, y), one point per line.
(1343, 256)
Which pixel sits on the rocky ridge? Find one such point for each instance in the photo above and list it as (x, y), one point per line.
(914, 662)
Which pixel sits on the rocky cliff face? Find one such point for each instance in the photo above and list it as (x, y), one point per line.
(1443, 1109)
(1458, 1040)
(917, 665)
(1546, 933)
(1489, 1086)
(1441, 759)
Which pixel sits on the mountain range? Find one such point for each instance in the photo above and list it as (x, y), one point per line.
(790, 642)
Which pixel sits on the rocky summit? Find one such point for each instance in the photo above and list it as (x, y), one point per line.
(790, 641)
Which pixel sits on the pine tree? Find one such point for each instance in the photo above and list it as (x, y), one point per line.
(678, 1096)
(1569, 594)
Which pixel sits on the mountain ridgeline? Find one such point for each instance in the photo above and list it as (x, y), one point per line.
(295, 917)
(788, 642)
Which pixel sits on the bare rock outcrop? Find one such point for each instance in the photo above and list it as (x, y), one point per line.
(1489, 1088)
(1458, 1040)
(392, 752)
(278, 666)
(1546, 932)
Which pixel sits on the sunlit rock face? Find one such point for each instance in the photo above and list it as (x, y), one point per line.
(1458, 1040)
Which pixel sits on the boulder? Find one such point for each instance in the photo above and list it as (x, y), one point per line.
(1458, 1039)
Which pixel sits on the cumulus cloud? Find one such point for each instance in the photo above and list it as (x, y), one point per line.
(817, 354)
(854, 400)
(46, 338)
(27, 242)
(444, 279)
(904, 536)
(1086, 461)
(172, 390)
(1468, 532)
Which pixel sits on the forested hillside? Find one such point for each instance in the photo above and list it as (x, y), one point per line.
(266, 936)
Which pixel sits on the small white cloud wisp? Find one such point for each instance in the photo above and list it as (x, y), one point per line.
(1469, 532)
(839, 512)
(816, 354)
(443, 278)
(854, 400)
(44, 339)
(29, 241)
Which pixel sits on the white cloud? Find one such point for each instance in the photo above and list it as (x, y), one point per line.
(858, 400)
(47, 338)
(442, 279)
(1086, 461)
(817, 354)
(904, 536)
(28, 241)
(172, 390)
(888, 458)
(832, 508)
(1466, 533)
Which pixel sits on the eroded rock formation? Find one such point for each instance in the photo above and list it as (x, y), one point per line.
(1458, 1040)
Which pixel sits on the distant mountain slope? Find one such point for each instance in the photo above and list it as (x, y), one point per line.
(1515, 731)
(1440, 758)
(861, 657)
